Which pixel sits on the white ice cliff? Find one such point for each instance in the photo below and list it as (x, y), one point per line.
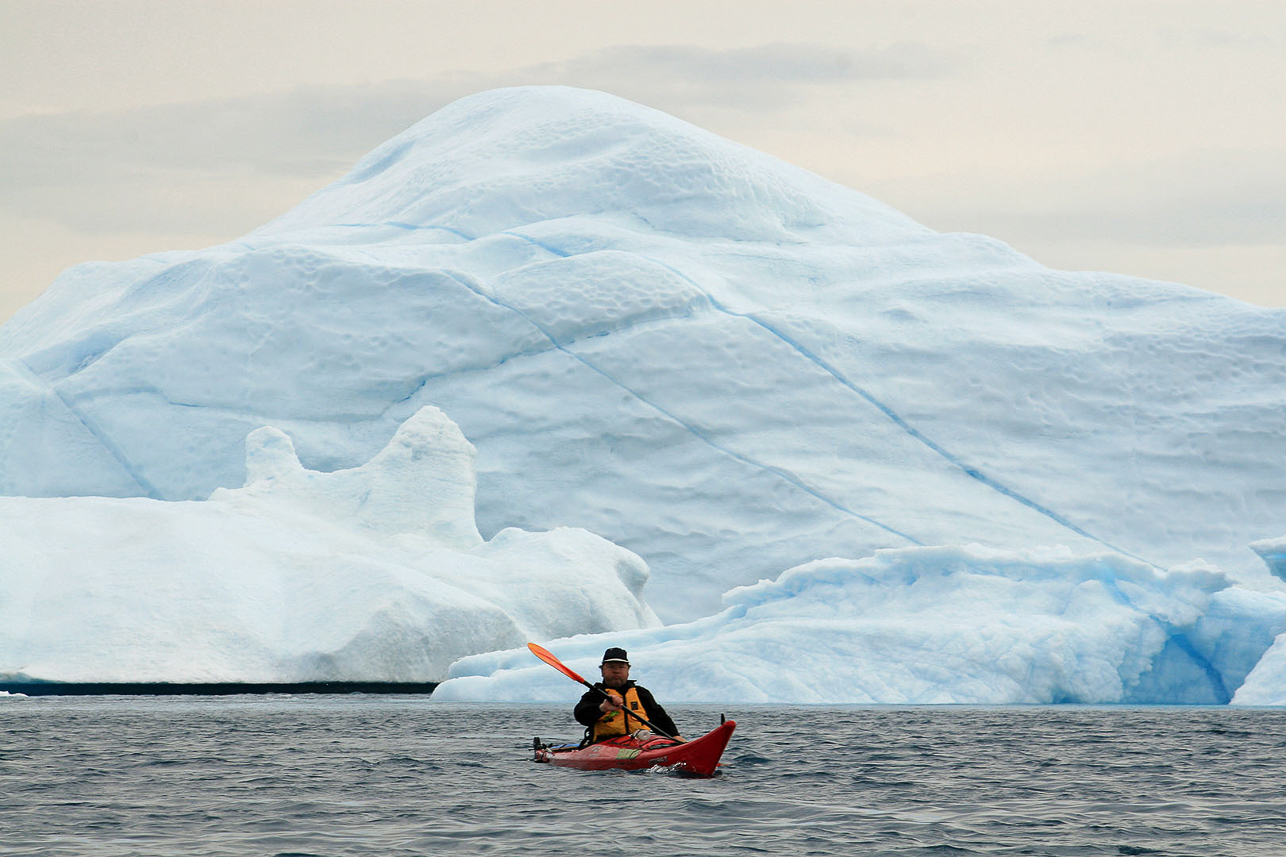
(371, 574)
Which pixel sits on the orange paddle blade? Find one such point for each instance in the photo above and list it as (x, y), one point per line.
(548, 657)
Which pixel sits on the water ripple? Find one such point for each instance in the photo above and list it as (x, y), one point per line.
(360, 775)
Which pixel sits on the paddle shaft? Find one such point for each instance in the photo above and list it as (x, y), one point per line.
(628, 714)
(548, 657)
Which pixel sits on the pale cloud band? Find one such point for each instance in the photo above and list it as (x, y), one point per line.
(316, 132)
(893, 121)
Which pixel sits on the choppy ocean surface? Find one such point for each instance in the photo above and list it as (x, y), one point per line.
(379, 775)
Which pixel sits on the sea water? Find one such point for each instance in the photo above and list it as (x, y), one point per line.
(400, 775)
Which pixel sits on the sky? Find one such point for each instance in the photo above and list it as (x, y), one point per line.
(1139, 137)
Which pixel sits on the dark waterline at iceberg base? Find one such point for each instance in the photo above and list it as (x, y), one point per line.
(349, 775)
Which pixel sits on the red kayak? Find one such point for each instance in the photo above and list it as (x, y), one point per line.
(697, 758)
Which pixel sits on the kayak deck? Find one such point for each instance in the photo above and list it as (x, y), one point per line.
(698, 757)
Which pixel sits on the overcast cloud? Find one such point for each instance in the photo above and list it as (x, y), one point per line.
(314, 130)
(1208, 198)
(99, 172)
(1145, 136)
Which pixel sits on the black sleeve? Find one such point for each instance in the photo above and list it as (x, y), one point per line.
(655, 713)
(587, 711)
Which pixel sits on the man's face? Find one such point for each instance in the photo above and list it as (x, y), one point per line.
(615, 674)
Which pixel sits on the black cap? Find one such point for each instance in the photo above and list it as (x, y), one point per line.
(615, 655)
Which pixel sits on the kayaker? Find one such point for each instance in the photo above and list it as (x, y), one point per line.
(608, 717)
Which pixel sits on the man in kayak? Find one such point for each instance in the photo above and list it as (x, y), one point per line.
(609, 716)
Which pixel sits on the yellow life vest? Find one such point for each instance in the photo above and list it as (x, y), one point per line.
(615, 723)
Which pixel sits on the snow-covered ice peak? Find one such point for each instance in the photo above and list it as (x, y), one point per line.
(508, 158)
(724, 364)
(422, 482)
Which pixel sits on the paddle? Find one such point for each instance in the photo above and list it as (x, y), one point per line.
(548, 657)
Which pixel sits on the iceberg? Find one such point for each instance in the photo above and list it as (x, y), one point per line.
(375, 573)
(1273, 553)
(1266, 684)
(728, 369)
(933, 625)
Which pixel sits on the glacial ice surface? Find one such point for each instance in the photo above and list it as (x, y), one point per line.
(375, 573)
(963, 624)
(724, 364)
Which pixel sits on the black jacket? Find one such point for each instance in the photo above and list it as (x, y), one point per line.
(587, 712)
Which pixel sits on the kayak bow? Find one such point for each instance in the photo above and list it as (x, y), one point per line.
(698, 757)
